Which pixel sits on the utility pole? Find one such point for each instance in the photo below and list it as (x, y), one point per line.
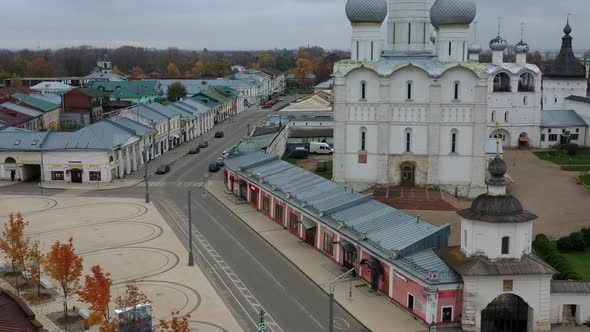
(146, 179)
(191, 260)
(262, 322)
(332, 287)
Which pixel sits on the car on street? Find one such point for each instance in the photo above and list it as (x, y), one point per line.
(320, 148)
(220, 162)
(268, 105)
(195, 150)
(214, 167)
(163, 169)
(204, 144)
(281, 99)
(219, 134)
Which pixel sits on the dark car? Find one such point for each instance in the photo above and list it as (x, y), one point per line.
(163, 169)
(220, 162)
(300, 153)
(204, 144)
(214, 167)
(218, 134)
(195, 150)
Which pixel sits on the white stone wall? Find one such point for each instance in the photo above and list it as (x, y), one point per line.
(558, 301)
(85, 160)
(409, 18)
(583, 110)
(485, 238)
(480, 291)
(580, 131)
(452, 43)
(556, 90)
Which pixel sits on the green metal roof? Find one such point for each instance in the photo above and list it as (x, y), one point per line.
(40, 104)
(217, 95)
(227, 90)
(205, 100)
(92, 92)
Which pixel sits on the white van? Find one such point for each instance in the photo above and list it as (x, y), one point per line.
(320, 148)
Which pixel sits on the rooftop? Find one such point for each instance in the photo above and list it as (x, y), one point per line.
(570, 286)
(38, 103)
(560, 119)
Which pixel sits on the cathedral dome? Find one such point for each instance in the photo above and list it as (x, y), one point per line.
(497, 167)
(366, 11)
(521, 47)
(451, 12)
(498, 44)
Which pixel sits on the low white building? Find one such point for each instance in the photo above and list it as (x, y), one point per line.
(561, 127)
(52, 87)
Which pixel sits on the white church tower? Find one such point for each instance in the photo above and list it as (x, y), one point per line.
(502, 279)
(366, 18)
(452, 19)
(408, 26)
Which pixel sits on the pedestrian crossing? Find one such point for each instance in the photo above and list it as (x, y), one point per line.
(178, 184)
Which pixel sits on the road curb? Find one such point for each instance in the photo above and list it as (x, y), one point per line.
(287, 258)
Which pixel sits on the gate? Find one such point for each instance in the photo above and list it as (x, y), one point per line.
(507, 313)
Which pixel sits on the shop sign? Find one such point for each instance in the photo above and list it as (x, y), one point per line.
(56, 166)
(76, 166)
(95, 166)
(74, 162)
(447, 293)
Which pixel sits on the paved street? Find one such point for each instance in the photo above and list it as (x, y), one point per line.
(247, 273)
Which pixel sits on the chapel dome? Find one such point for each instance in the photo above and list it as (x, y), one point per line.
(366, 11)
(474, 49)
(452, 12)
(498, 44)
(521, 47)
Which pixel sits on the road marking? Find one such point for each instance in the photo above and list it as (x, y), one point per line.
(170, 206)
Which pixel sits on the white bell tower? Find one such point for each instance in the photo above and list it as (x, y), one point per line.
(366, 18)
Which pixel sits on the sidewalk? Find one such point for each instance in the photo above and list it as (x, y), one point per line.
(116, 184)
(374, 311)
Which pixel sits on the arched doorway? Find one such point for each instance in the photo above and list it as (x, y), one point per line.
(523, 140)
(376, 270)
(507, 313)
(504, 136)
(408, 174)
(10, 168)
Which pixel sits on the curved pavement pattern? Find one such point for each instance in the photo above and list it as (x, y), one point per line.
(130, 240)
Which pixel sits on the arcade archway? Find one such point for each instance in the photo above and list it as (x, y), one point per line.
(507, 313)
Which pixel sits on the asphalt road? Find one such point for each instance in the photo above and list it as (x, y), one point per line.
(247, 272)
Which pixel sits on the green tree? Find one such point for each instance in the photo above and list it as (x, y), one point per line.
(176, 91)
(39, 68)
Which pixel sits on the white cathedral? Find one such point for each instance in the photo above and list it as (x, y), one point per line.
(420, 108)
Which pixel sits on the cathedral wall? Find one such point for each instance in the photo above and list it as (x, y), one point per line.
(484, 238)
(420, 81)
(556, 90)
(418, 139)
(394, 174)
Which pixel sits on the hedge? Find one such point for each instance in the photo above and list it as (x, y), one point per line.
(547, 250)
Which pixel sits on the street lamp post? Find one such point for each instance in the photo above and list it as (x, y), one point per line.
(191, 260)
(332, 287)
(145, 167)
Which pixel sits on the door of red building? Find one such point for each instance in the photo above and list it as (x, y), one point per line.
(310, 236)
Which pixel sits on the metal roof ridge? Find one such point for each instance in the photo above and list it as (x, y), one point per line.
(357, 201)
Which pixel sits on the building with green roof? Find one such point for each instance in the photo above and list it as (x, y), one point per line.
(136, 92)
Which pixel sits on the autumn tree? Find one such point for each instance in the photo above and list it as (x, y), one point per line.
(97, 293)
(64, 266)
(16, 81)
(136, 70)
(304, 67)
(176, 91)
(109, 326)
(14, 244)
(200, 67)
(131, 298)
(266, 61)
(116, 71)
(176, 323)
(35, 260)
(173, 70)
(39, 68)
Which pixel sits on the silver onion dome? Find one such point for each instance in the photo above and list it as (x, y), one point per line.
(474, 48)
(366, 11)
(521, 47)
(498, 44)
(451, 12)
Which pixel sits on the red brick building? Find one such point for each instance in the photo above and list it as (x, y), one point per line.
(16, 316)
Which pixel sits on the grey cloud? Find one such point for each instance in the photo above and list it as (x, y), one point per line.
(254, 24)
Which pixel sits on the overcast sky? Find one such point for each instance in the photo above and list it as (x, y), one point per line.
(250, 24)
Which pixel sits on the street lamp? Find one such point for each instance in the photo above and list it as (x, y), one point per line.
(332, 286)
(191, 260)
(145, 167)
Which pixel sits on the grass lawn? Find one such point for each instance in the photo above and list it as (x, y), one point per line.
(580, 262)
(562, 158)
(576, 168)
(299, 162)
(585, 179)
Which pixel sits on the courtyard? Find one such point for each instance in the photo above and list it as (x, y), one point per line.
(127, 233)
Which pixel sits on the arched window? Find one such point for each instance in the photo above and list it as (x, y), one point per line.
(363, 138)
(502, 83)
(372, 49)
(408, 140)
(493, 116)
(10, 160)
(363, 90)
(505, 245)
(358, 57)
(526, 82)
(555, 100)
(409, 33)
(524, 100)
(450, 48)
(409, 90)
(465, 238)
(454, 139)
(456, 90)
(506, 116)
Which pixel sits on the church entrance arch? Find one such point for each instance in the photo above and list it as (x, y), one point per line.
(504, 136)
(507, 313)
(408, 174)
(523, 140)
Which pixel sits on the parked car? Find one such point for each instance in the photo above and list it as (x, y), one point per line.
(281, 99)
(214, 167)
(220, 162)
(163, 169)
(204, 144)
(320, 148)
(268, 105)
(300, 153)
(219, 134)
(195, 150)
